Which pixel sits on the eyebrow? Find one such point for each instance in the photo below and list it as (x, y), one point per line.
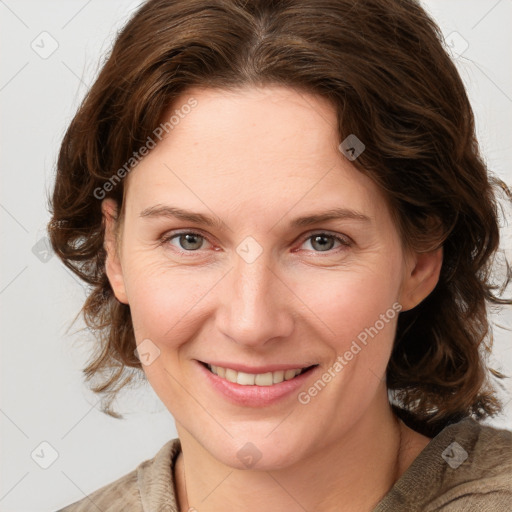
(216, 222)
(179, 213)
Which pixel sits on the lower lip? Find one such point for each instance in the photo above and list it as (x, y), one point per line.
(255, 396)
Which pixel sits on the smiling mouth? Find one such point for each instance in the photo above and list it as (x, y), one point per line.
(256, 379)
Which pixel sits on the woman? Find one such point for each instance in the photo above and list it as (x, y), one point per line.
(286, 224)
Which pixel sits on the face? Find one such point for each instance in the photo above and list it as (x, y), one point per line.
(267, 284)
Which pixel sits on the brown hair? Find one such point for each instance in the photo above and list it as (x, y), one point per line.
(383, 67)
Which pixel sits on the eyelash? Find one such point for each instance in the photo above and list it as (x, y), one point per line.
(344, 241)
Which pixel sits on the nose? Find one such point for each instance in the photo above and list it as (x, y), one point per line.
(255, 304)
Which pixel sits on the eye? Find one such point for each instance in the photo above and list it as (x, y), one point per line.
(190, 241)
(187, 241)
(324, 242)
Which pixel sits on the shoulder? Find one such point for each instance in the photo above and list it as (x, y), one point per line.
(467, 466)
(150, 486)
(121, 494)
(478, 470)
(479, 451)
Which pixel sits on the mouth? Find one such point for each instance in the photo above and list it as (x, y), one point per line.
(264, 379)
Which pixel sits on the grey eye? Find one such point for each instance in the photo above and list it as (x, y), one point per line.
(322, 242)
(189, 241)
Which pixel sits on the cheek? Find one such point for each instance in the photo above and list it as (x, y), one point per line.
(351, 302)
(163, 299)
(169, 302)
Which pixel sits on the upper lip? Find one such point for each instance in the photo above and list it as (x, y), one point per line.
(258, 369)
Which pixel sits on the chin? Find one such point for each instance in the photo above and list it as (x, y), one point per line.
(258, 452)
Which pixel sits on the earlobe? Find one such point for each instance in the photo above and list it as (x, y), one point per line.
(113, 266)
(422, 277)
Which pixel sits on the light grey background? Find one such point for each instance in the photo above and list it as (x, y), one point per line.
(43, 398)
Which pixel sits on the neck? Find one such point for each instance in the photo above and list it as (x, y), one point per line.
(353, 474)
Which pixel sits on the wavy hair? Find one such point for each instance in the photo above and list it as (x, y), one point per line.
(384, 68)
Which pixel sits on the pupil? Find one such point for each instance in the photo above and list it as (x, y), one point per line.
(325, 242)
(323, 239)
(189, 239)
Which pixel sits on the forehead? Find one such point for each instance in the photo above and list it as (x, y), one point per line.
(271, 146)
(266, 126)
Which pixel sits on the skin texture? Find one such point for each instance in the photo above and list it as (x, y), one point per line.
(258, 158)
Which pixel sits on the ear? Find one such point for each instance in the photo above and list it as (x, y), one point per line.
(421, 278)
(113, 262)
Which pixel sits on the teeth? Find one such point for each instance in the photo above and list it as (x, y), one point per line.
(246, 379)
(289, 374)
(251, 379)
(264, 379)
(231, 375)
(277, 377)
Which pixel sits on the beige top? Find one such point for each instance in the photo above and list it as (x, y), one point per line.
(467, 467)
